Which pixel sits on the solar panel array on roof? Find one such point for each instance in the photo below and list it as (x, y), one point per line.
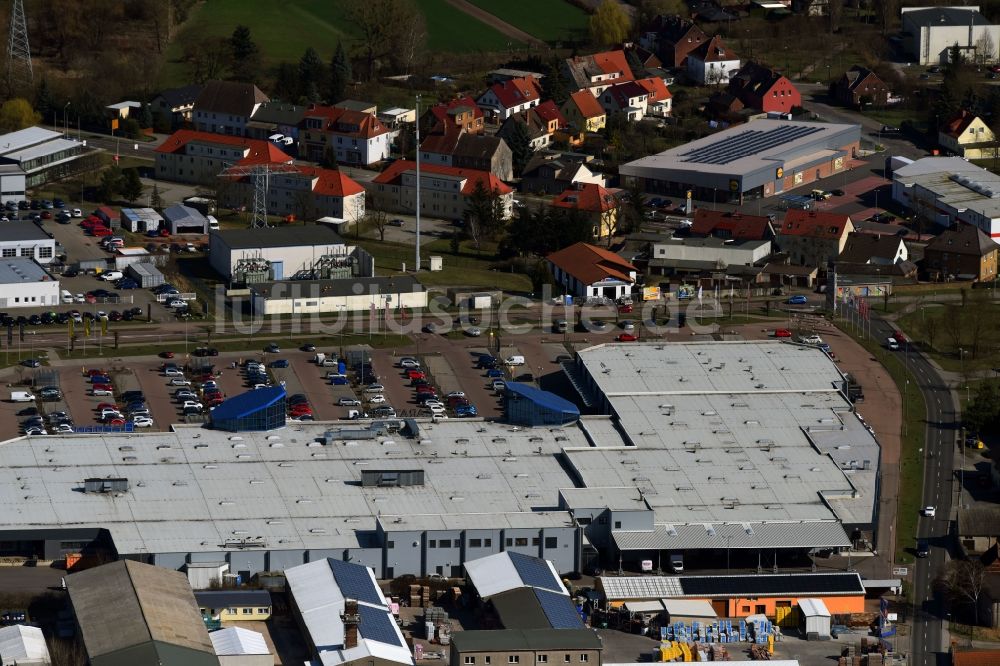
(376, 626)
(793, 584)
(748, 143)
(355, 582)
(534, 572)
(559, 610)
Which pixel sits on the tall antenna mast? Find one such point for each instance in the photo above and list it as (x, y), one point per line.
(19, 71)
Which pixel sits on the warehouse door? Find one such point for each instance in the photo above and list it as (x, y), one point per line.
(720, 607)
(277, 270)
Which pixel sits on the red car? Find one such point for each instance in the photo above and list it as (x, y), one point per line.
(626, 337)
(96, 372)
(164, 233)
(100, 231)
(101, 387)
(207, 377)
(92, 222)
(106, 405)
(116, 422)
(415, 374)
(299, 411)
(625, 309)
(425, 389)
(782, 333)
(300, 407)
(166, 354)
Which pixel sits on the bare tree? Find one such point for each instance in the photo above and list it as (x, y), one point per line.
(411, 45)
(986, 50)
(930, 326)
(964, 581)
(954, 324)
(382, 25)
(980, 321)
(379, 220)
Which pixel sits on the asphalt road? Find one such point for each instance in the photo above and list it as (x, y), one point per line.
(938, 490)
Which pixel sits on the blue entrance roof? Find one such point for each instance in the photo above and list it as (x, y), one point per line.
(245, 404)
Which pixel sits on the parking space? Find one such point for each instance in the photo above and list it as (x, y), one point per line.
(311, 381)
(77, 400)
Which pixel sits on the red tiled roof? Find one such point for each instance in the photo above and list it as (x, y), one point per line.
(548, 111)
(514, 92)
(975, 658)
(343, 121)
(590, 264)
(656, 87)
(441, 110)
(330, 182)
(443, 140)
(587, 104)
(958, 123)
(590, 197)
(395, 170)
(256, 151)
(714, 50)
(708, 222)
(614, 61)
(815, 224)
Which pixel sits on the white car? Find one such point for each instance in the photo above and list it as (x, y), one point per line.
(374, 388)
(35, 430)
(180, 381)
(260, 386)
(376, 398)
(435, 409)
(433, 403)
(408, 363)
(110, 276)
(173, 372)
(101, 391)
(77, 212)
(79, 298)
(811, 339)
(64, 428)
(185, 394)
(498, 385)
(142, 422)
(348, 402)
(106, 412)
(627, 325)
(455, 394)
(929, 511)
(192, 403)
(176, 303)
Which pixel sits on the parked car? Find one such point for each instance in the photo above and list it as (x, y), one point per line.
(348, 402)
(782, 333)
(798, 299)
(280, 363)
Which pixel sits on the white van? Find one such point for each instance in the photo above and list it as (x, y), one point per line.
(21, 396)
(676, 562)
(892, 344)
(213, 223)
(514, 360)
(67, 297)
(275, 138)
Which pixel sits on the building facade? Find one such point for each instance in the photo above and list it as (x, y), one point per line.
(25, 284)
(931, 32)
(962, 252)
(712, 63)
(285, 250)
(967, 135)
(813, 238)
(859, 87)
(225, 107)
(188, 156)
(588, 272)
(40, 155)
(505, 98)
(583, 111)
(444, 191)
(26, 240)
(346, 135)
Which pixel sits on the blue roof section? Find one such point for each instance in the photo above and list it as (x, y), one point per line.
(247, 403)
(542, 398)
(534, 571)
(355, 582)
(559, 610)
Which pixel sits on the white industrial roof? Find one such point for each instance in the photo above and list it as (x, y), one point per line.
(21, 644)
(654, 606)
(813, 608)
(29, 136)
(47, 148)
(497, 573)
(954, 182)
(20, 270)
(320, 602)
(233, 641)
(688, 608)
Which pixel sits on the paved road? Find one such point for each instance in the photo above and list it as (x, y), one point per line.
(927, 640)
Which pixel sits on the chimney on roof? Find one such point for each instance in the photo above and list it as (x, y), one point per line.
(351, 619)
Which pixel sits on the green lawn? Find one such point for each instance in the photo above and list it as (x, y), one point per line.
(451, 30)
(549, 20)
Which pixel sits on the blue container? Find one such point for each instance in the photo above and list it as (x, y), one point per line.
(341, 368)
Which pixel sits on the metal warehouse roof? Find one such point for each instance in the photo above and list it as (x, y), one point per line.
(149, 270)
(233, 641)
(508, 570)
(248, 402)
(18, 270)
(543, 398)
(627, 588)
(756, 535)
(21, 644)
(286, 236)
(29, 136)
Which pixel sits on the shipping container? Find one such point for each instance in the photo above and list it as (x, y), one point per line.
(147, 275)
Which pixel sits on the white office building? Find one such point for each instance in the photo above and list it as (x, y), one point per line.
(26, 240)
(25, 284)
(931, 32)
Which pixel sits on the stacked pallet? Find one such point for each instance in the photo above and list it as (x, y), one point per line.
(419, 596)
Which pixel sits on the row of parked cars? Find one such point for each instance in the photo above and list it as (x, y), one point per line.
(133, 409)
(195, 389)
(427, 396)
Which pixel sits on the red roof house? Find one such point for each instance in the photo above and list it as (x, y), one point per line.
(505, 98)
(589, 271)
(731, 225)
(759, 87)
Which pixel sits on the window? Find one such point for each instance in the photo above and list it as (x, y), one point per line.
(551, 542)
(263, 611)
(603, 520)
(487, 659)
(510, 542)
(585, 520)
(444, 543)
(247, 611)
(231, 611)
(566, 658)
(542, 659)
(45, 252)
(10, 252)
(618, 524)
(760, 608)
(487, 543)
(390, 544)
(513, 659)
(584, 657)
(469, 659)
(521, 541)
(475, 543)
(432, 544)
(535, 541)
(745, 609)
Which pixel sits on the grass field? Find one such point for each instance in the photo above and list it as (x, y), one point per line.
(550, 20)
(283, 30)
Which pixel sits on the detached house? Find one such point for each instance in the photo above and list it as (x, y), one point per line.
(552, 172)
(672, 38)
(456, 148)
(761, 88)
(583, 111)
(597, 71)
(597, 203)
(351, 137)
(966, 135)
(588, 271)
(176, 104)
(712, 63)
(444, 191)
(730, 225)
(225, 107)
(460, 112)
(504, 99)
(659, 100)
(627, 98)
(962, 252)
(812, 238)
(541, 126)
(188, 156)
(860, 87)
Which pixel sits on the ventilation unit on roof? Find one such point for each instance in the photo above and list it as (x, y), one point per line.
(392, 478)
(108, 485)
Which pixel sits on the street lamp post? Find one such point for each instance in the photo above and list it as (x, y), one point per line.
(66, 118)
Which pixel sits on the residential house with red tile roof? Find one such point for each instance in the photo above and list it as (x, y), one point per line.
(597, 203)
(965, 134)
(345, 135)
(459, 112)
(308, 193)
(587, 271)
(551, 172)
(444, 191)
(764, 89)
(541, 126)
(961, 252)
(454, 147)
(659, 100)
(583, 111)
(813, 238)
(505, 98)
(225, 107)
(672, 38)
(628, 99)
(859, 87)
(712, 63)
(731, 225)
(597, 71)
(189, 156)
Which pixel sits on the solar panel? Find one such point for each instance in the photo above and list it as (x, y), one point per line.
(534, 571)
(793, 584)
(559, 610)
(355, 582)
(376, 625)
(747, 143)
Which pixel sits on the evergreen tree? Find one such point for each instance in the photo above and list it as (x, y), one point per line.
(519, 141)
(110, 184)
(146, 117)
(130, 186)
(44, 103)
(155, 200)
(310, 75)
(340, 75)
(554, 85)
(245, 55)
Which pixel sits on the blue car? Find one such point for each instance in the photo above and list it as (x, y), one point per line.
(280, 363)
(340, 381)
(100, 379)
(496, 372)
(797, 300)
(463, 411)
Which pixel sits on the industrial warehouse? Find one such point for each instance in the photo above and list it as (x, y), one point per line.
(700, 449)
(762, 158)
